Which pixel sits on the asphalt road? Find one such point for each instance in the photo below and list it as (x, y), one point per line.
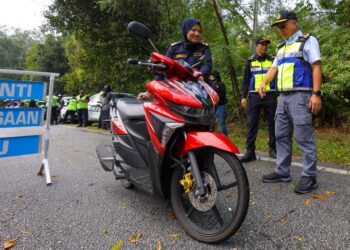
(86, 208)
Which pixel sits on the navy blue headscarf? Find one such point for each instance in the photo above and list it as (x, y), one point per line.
(187, 25)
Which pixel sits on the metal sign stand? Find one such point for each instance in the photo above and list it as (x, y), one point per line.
(45, 162)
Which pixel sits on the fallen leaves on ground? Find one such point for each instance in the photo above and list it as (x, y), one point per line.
(328, 192)
(283, 218)
(105, 232)
(117, 246)
(229, 194)
(159, 247)
(54, 176)
(9, 244)
(18, 197)
(25, 232)
(252, 193)
(307, 203)
(234, 248)
(298, 237)
(175, 235)
(134, 238)
(252, 202)
(238, 231)
(173, 215)
(269, 216)
(319, 197)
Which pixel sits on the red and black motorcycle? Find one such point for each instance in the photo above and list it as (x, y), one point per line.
(168, 148)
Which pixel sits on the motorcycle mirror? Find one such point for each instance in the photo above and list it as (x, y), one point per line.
(139, 29)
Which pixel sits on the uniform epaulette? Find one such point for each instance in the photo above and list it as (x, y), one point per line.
(250, 58)
(176, 43)
(303, 38)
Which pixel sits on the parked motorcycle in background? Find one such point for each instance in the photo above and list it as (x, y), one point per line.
(168, 148)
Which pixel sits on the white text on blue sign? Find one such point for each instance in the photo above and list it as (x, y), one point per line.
(20, 117)
(22, 90)
(15, 146)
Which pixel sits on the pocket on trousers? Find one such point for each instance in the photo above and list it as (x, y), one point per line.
(303, 120)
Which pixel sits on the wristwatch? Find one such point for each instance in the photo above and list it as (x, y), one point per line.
(317, 92)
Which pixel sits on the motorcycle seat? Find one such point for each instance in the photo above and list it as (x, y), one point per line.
(130, 109)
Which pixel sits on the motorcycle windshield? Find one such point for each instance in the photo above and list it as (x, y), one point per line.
(197, 89)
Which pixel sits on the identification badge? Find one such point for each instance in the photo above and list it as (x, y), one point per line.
(177, 56)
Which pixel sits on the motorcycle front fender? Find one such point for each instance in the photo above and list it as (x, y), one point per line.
(200, 139)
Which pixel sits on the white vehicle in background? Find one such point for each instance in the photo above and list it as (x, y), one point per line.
(63, 111)
(94, 106)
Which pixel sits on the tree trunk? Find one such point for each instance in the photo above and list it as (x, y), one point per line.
(233, 76)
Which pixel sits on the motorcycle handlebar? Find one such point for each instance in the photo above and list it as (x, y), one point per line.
(149, 64)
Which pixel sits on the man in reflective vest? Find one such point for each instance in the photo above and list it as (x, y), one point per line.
(82, 108)
(298, 69)
(71, 110)
(255, 70)
(53, 109)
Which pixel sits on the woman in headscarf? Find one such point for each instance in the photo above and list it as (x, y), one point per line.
(190, 49)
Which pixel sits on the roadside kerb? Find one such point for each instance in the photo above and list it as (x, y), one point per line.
(298, 164)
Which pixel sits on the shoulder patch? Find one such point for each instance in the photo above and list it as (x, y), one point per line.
(205, 44)
(176, 43)
(250, 58)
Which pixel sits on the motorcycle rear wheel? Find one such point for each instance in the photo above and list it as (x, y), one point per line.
(228, 197)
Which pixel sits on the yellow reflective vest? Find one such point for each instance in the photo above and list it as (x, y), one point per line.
(82, 101)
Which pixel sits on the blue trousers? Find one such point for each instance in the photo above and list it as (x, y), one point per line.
(83, 116)
(294, 115)
(221, 117)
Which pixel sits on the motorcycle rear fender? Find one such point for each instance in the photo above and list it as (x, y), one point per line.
(199, 139)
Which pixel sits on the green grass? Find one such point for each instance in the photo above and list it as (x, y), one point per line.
(333, 145)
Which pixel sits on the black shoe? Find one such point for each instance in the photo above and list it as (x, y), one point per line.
(306, 184)
(248, 156)
(79, 125)
(274, 177)
(272, 153)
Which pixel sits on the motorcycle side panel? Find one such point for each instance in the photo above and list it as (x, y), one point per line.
(163, 112)
(200, 139)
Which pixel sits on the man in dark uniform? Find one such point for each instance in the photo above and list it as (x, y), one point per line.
(105, 106)
(190, 50)
(216, 83)
(255, 70)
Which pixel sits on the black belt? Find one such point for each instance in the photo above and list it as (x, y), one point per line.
(292, 92)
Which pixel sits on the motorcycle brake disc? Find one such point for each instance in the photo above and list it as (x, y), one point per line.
(206, 203)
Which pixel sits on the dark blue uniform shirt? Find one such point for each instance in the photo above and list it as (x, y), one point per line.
(191, 53)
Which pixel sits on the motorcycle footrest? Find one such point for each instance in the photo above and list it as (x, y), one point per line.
(118, 173)
(105, 154)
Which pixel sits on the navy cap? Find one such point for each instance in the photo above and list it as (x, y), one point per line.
(283, 16)
(261, 39)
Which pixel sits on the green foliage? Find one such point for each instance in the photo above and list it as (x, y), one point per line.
(13, 49)
(48, 56)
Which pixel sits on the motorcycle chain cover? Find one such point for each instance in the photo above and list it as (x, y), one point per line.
(105, 154)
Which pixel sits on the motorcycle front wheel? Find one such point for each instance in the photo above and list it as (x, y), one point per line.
(216, 216)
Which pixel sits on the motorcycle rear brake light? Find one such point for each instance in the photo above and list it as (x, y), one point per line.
(118, 127)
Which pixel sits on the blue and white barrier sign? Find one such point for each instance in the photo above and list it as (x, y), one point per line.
(15, 146)
(10, 89)
(20, 117)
